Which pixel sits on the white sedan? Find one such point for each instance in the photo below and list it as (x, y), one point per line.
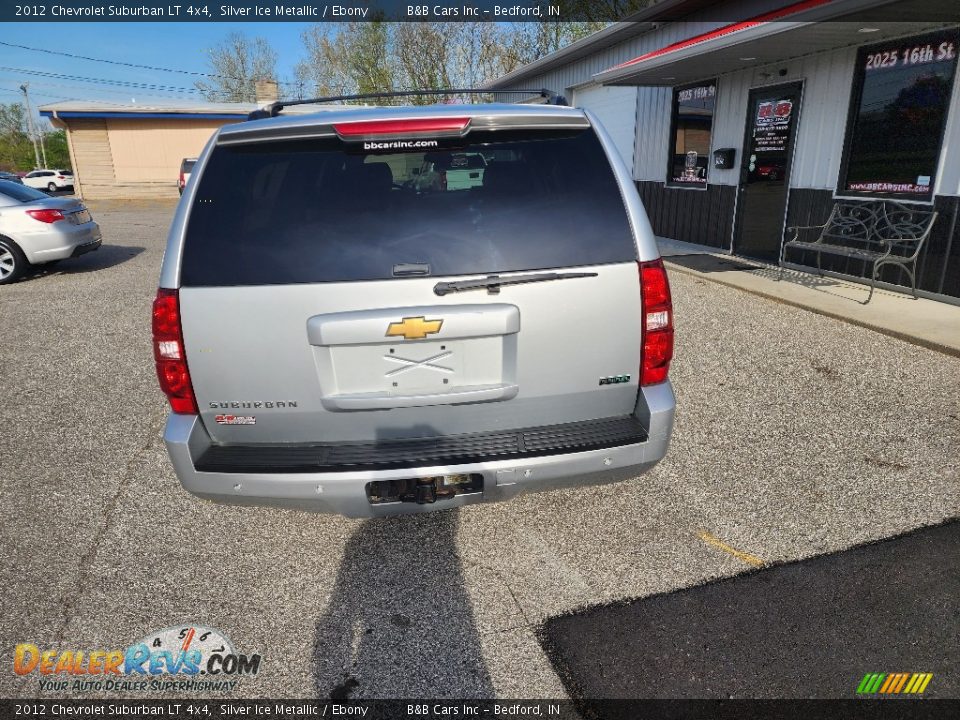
(49, 180)
(36, 229)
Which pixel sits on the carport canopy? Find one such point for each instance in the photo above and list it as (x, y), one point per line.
(800, 28)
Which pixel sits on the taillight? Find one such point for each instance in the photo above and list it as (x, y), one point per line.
(168, 352)
(657, 331)
(401, 128)
(47, 216)
(60, 177)
(181, 181)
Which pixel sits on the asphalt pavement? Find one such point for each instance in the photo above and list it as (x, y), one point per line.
(809, 629)
(796, 435)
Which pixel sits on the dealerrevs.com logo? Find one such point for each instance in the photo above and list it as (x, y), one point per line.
(182, 658)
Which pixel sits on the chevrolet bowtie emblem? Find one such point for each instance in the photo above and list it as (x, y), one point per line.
(414, 328)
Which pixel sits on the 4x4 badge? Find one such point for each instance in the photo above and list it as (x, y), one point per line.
(414, 328)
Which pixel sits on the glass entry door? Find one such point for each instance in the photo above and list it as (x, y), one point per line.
(768, 148)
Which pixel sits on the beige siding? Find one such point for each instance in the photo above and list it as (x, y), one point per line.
(151, 150)
(134, 158)
(93, 163)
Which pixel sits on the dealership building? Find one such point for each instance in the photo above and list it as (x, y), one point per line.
(740, 119)
(134, 150)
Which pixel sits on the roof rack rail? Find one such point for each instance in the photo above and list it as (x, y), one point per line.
(274, 108)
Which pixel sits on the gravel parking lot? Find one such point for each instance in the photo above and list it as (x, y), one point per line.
(796, 435)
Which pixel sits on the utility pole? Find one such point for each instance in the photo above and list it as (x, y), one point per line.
(32, 127)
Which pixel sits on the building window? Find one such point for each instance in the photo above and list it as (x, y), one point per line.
(898, 113)
(691, 122)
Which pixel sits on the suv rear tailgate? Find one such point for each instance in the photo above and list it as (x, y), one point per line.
(302, 324)
(251, 354)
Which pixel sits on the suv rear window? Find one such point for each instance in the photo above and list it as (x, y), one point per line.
(301, 211)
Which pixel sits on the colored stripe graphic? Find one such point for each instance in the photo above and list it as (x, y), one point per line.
(894, 683)
(918, 683)
(871, 683)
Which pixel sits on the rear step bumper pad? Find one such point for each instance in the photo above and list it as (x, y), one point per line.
(511, 462)
(419, 452)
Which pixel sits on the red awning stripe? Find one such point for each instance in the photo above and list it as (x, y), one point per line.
(727, 30)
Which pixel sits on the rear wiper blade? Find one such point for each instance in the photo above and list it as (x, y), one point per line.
(495, 282)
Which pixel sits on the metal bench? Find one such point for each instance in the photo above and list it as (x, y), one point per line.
(881, 232)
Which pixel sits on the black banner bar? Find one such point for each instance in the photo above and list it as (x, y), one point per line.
(309, 709)
(446, 10)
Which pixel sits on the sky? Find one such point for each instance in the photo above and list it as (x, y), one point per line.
(178, 46)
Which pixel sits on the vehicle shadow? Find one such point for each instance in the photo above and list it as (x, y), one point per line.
(106, 256)
(399, 621)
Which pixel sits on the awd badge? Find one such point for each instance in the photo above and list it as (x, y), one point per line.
(614, 379)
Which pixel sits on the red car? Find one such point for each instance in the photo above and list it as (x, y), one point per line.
(770, 170)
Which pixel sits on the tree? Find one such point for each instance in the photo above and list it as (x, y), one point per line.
(58, 154)
(350, 59)
(527, 42)
(437, 55)
(16, 149)
(236, 64)
(366, 57)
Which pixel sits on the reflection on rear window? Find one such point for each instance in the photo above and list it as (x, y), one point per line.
(21, 193)
(323, 211)
(472, 161)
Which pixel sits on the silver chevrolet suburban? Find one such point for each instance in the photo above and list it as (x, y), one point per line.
(333, 336)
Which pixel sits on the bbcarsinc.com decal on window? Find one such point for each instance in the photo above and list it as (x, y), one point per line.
(399, 144)
(185, 658)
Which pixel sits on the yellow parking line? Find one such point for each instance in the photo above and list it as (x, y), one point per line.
(739, 554)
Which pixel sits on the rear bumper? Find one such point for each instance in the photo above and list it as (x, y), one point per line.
(345, 492)
(59, 241)
(85, 248)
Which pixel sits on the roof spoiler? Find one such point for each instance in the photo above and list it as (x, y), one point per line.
(274, 108)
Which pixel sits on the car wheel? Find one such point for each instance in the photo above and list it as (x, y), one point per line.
(52, 187)
(13, 263)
